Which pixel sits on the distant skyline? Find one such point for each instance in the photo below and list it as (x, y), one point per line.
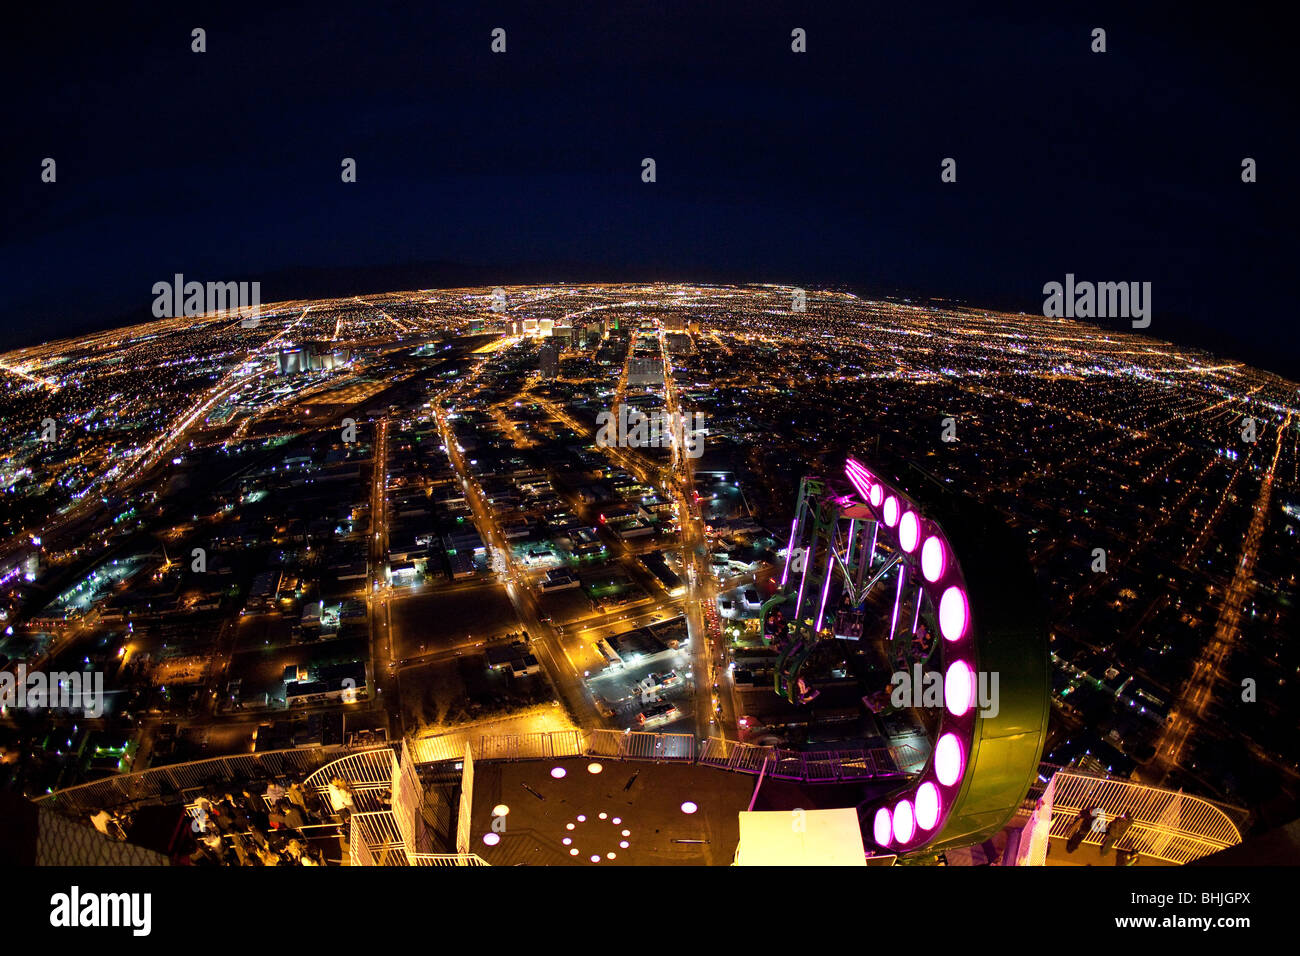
(819, 169)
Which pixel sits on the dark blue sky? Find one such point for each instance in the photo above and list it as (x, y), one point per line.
(810, 169)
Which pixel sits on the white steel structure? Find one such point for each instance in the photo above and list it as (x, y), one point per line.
(1168, 825)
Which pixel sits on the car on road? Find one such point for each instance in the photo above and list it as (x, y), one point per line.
(657, 714)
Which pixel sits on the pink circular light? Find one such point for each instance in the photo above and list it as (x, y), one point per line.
(491, 839)
(948, 759)
(927, 806)
(959, 688)
(595, 858)
(567, 840)
(904, 821)
(883, 827)
(954, 614)
(891, 511)
(582, 818)
(909, 532)
(933, 560)
(558, 772)
(875, 494)
(689, 807)
(624, 844)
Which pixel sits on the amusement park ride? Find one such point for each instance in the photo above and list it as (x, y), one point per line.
(866, 563)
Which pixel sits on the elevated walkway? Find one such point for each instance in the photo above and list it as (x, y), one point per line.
(1168, 826)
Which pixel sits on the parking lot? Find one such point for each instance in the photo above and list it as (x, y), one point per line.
(630, 690)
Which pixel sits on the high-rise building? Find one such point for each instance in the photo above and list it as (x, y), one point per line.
(311, 357)
(549, 359)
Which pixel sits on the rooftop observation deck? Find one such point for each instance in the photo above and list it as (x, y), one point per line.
(437, 801)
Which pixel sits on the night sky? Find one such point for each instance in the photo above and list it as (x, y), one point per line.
(811, 169)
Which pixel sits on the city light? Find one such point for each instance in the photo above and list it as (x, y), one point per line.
(495, 574)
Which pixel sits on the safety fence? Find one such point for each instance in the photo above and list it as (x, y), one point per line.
(536, 746)
(814, 766)
(807, 766)
(612, 744)
(375, 839)
(1240, 817)
(174, 780)
(368, 777)
(448, 859)
(541, 746)
(466, 801)
(640, 745)
(1165, 824)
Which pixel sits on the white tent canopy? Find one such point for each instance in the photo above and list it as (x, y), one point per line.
(800, 838)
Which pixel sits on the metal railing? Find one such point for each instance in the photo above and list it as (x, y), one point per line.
(378, 829)
(364, 771)
(359, 852)
(558, 744)
(640, 745)
(376, 840)
(173, 780)
(369, 771)
(540, 746)
(1240, 817)
(448, 859)
(827, 766)
(1167, 824)
(536, 746)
